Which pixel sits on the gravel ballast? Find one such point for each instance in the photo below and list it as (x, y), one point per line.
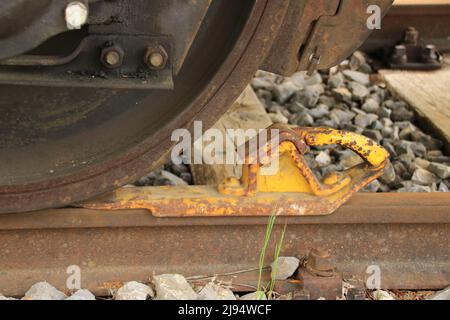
(344, 98)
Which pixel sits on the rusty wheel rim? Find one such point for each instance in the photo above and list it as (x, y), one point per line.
(254, 29)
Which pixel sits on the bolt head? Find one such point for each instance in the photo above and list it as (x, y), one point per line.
(320, 260)
(76, 15)
(156, 58)
(411, 35)
(430, 54)
(399, 56)
(112, 56)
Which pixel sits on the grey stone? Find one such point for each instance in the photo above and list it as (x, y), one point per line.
(385, 113)
(278, 118)
(429, 142)
(404, 124)
(323, 159)
(173, 287)
(404, 147)
(341, 116)
(371, 106)
(134, 291)
(365, 68)
(441, 170)
(402, 114)
(443, 187)
(395, 133)
(328, 100)
(389, 148)
(389, 174)
(373, 134)
(377, 125)
(349, 159)
(382, 295)
(405, 133)
(284, 92)
(336, 81)
(440, 159)
(415, 188)
(254, 296)
(215, 292)
(286, 267)
(441, 295)
(274, 108)
(144, 181)
(387, 132)
(357, 76)
(299, 79)
(297, 107)
(265, 96)
(418, 149)
(435, 153)
(407, 160)
(175, 180)
(319, 111)
(178, 169)
(331, 168)
(43, 291)
(329, 123)
(309, 96)
(357, 60)
(390, 104)
(342, 95)
(262, 83)
(187, 176)
(82, 294)
(377, 93)
(3, 298)
(365, 120)
(372, 187)
(385, 188)
(302, 120)
(359, 91)
(386, 122)
(424, 178)
(421, 163)
(315, 79)
(352, 128)
(400, 169)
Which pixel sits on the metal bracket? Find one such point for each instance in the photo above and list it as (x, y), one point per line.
(292, 191)
(86, 67)
(410, 55)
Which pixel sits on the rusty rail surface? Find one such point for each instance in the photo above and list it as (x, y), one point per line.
(407, 235)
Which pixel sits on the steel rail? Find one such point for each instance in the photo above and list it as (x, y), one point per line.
(406, 235)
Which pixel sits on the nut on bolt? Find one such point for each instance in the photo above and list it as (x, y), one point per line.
(320, 263)
(430, 54)
(411, 36)
(156, 58)
(400, 56)
(112, 56)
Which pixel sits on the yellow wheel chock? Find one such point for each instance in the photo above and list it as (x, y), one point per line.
(292, 190)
